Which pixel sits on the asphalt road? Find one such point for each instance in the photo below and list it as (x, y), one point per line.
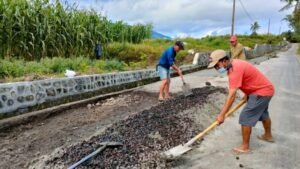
(215, 151)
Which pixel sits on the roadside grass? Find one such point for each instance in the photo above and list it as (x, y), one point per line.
(148, 51)
(122, 56)
(13, 70)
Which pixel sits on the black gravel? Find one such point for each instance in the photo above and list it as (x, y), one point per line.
(144, 135)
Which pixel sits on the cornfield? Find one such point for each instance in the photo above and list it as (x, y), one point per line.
(36, 29)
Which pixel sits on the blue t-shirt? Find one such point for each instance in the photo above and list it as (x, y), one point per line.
(167, 58)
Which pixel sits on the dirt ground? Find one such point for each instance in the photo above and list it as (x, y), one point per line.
(20, 146)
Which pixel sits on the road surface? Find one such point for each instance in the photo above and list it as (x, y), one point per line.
(215, 151)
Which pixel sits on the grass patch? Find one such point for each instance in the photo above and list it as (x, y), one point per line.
(124, 56)
(147, 52)
(11, 69)
(222, 42)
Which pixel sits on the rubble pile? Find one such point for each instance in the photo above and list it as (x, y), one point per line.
(144, 135)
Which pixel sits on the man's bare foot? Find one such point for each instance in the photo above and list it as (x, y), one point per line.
(266, 138)
(241, 150)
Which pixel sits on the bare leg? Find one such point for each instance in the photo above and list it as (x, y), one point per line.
(167, 89)
(244, 147)
(267, 126)
(162, 88)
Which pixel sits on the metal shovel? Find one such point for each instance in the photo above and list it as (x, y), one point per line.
(186, 89)
(183, 148)
(104, 145)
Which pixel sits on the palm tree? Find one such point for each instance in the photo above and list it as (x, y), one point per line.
(290, 4)
(294, 18)
(254, 28)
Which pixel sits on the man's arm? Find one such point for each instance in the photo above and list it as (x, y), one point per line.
(178, 70)
(229, 101)
(172, 62)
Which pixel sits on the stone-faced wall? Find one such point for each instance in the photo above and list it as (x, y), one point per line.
(259, 50)
(262, 49)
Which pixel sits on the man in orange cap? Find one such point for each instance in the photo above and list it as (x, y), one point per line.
(258, 91)
(236, 49)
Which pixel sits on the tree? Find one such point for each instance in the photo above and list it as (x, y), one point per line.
(254, 28)
(290, 4)
(294, 18)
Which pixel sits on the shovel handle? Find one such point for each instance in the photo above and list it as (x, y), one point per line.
(214, 124)
(87, 157)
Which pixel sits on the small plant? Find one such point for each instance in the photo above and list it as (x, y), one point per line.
(100, 65)
(11, 68)
(114, 64)
(36, 68)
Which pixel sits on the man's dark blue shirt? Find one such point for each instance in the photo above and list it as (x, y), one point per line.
(167, 58)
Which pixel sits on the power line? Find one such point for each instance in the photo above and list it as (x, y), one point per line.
(246, 11)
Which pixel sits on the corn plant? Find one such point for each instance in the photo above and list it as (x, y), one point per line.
(36, 29)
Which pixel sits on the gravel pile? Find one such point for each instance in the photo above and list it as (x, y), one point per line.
(144, 135)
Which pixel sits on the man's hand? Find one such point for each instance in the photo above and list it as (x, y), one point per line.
(178, 70)
(220, 118)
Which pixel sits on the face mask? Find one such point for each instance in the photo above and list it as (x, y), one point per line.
(222, 70)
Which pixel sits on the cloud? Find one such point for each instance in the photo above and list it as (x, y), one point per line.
(192, 17)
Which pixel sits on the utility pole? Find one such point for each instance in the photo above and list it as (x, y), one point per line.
(269, 26)
(280, 27)
(232, 20)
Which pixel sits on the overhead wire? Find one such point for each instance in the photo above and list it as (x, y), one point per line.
(247, 13)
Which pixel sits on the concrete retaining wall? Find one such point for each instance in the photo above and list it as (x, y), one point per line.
(259, 50)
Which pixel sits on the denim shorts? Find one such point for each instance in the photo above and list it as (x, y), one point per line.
(255, 110)
(163, 72)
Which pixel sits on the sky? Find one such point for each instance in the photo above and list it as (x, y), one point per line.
(195, 18)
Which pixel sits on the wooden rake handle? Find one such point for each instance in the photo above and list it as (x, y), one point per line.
(214, 124)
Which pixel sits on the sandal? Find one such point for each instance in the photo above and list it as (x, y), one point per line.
(161, 99)
(167, 98)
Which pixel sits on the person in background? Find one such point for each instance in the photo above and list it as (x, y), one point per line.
(166, 61)
(236, 49)
(258, 90)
